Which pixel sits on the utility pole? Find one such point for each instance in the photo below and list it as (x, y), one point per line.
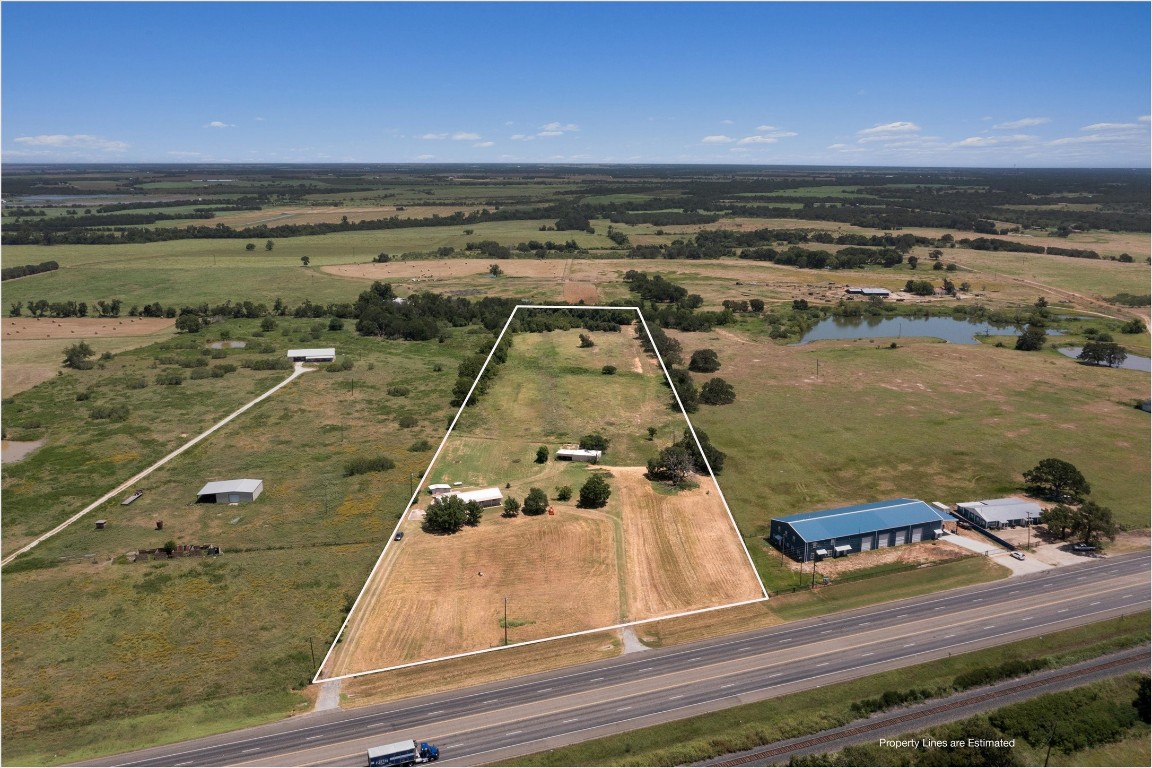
(313, 650)
(505, 619)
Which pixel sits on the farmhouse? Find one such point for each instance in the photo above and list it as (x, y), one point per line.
(577, 454)
(485, 497)
(999, 513)
(321, 355)
(838, 532)
(229, 491)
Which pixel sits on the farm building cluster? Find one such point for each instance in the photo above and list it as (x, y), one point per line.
(485, 497)
(863, 527)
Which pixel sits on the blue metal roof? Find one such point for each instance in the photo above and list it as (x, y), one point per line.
(862, 518)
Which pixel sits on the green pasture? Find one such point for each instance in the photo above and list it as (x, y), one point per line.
(931, 421)
(108, 658)
(551, 392)
(327, 417)
(695, 739)
(180, 272)
(1091, 277)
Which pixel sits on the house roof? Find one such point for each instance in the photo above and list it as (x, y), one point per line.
(231, 486)
(483, 494)
(861, 518)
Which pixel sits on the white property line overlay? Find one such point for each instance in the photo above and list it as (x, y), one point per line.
(300, 369)
(336, 640)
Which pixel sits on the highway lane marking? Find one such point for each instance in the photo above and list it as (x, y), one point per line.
(513, 733)
(595, 679)
(948, 637)
(1013, 591)
(729, 685)
(864, 623)
(823, 663)
(436, 712)
(493, 701)
(311, 738)
(990, 626)
(542, 690)
(777, 674)
(1027, 618)
(1095, 603)
(827, 631)
(571, 720)
(748, 647)
(453, 746)
(900, 615)
(622, 709)
(677, 696)
(870, 653)
(1124, 596)
(909, 645)
(246, 751)
(647, 669)
(1062, 610)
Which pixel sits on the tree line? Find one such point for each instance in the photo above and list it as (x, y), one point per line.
(11, 273)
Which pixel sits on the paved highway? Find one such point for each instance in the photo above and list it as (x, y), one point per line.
(493, 722)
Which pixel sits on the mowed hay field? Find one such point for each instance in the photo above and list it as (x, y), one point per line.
(645, 554)
(34, 347)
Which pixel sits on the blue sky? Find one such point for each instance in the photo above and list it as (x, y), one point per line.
(912, 84)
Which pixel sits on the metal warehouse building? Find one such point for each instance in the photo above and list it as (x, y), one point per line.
(485, 497)
(838, 532)
(1000, 513)
(229, 491)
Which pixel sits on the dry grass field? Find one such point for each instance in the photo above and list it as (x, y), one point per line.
(648, 553)
(34, 347)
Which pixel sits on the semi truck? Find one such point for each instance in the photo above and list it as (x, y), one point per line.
(407, 752)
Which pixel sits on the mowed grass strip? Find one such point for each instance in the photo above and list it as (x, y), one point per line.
(745, 727)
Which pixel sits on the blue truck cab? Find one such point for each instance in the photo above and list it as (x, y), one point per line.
(406, 752)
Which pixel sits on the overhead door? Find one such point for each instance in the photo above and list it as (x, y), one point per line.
(898, 537)
(917, 533)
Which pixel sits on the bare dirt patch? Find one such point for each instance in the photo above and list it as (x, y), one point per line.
(558, 573)
(575, 292)
(681, 552)
(14, 450)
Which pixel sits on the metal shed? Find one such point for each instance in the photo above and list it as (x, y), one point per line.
(485, 497)
(1000, 513)
(439, 489)
(841, 531)
(230, 491)
(577, 454)
(320, 355)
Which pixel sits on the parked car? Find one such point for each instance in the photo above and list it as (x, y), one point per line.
(1018, 555)
(399, 535)
(1083, 548)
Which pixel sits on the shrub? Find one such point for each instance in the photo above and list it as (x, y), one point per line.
(419, 446)
(137, 383)
(608, 370)
(275, 364)
(171, 378)
(704, 361)
(334, 367)
(542, 455)
(83, 395)
(594, 442)
(224, 368)
(365, 464)
(335, 324)
(110, 412)
(398, 391)
(200, 373)
(563, 492)
(407, 422)
(535, 503)
(595, 492)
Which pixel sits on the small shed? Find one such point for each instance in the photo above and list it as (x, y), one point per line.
(439, 489)
(577, 454)
(230, 491)
(485, 497)
(322, 355)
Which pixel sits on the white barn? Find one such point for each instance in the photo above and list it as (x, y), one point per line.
(230, 491)
(319, 355)
(577, 454)
(485, 497)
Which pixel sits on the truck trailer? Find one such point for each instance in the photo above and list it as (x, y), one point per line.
(403, 753)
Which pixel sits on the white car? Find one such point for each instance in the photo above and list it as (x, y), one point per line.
(1018, 555)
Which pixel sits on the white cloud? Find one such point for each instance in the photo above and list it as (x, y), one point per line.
(1025, 122)
(887, 131)
(521, 137)
(717, 140)
(218, 124)
(989, 141)
(425, 157)
(1145, 118)
(258, 119)
(758, 140)
(464, 136)
(185, 155)
(73, 141)
(562, 127)
(766, 128)
(484, 144)
(434, 136)
(1092, 138)
(550, 133)
(1110, 127)
(725, 122)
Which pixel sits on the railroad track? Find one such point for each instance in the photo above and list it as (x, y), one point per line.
(912, 717)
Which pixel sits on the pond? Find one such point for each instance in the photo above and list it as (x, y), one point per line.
(947, 328)
(1132, 362)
